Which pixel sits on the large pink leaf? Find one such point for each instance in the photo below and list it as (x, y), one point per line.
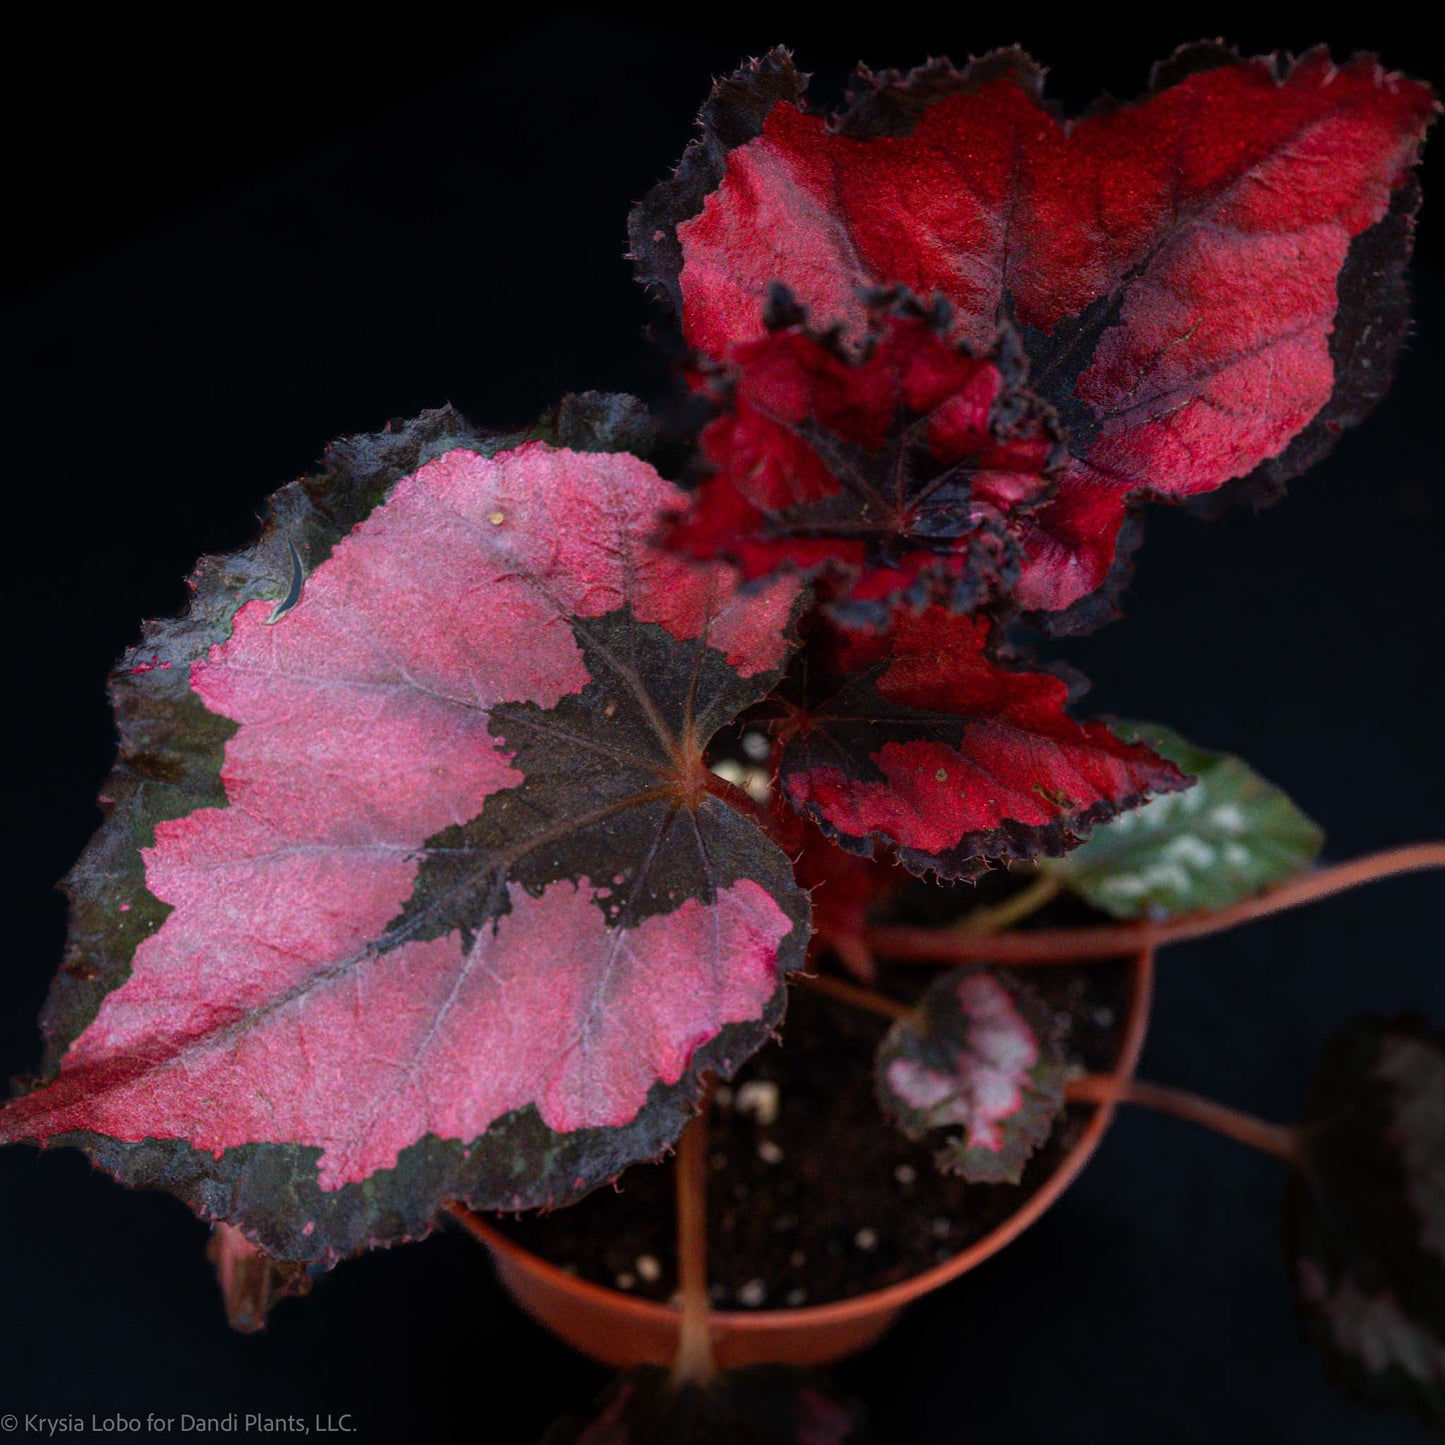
(1209, 281)
(463, 921)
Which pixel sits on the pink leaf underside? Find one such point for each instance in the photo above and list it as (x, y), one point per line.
(984, 1087)
(259, 1011)
(1216, 214)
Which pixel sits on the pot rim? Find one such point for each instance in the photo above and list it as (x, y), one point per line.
(891, 1297)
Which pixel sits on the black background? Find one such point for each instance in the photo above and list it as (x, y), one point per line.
(227, 248)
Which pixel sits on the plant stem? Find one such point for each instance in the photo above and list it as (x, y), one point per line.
(851, 993)
(852, 951)
(1075, 945)
(694, 1362)
(1281, 1140)
(1023, 904)
(747, 805)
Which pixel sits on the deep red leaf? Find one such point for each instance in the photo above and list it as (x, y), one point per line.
(894, 471)
(1198, 275)
(461, 921)
(919, 738)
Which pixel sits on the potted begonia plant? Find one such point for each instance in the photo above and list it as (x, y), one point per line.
(476, 821)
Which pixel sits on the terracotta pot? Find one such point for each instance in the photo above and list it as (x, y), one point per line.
(621, 1330)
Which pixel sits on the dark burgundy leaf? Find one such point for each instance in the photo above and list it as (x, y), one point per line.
(252, 1282)
(411, 891)
(758, 1405)
(1210, 280)
(920, 738)
(1365, 1212)
(977, 1063)
(894, 468)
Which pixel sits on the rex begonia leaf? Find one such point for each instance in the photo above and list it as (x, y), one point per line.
(891, 470)
(978, 1064)
(756, 1405)
(922, 738)
(409, 889)
(1229, 838)
(1209, 281)
(1365, 1212)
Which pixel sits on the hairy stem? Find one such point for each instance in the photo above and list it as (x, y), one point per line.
(1075, 945)
(694, 1362)
(1281, 1140)
(850, 993)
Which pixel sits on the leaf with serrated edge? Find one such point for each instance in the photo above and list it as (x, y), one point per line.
(1231, 837)
(1365, 1212)
(756, 1405)
(922, 738)
(1210, 280)
(894, 472)
(977, 1063)
(432, 904)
